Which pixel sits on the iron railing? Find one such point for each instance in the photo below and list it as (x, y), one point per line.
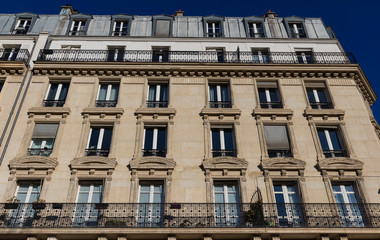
(223, 153)
(279, 153)
(71, 55)
(270, 104)
(188, 215)
(14, 55)
(220, 104)
(157, 104)
(334, 153)
(105, 103)
(154, 152)
(321, 105)
(39, 151)
(54, 103)
(97, 152)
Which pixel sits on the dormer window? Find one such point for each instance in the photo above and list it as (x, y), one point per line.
(256, 29)
(213, 29)
(78, 28)
(120, 28)
(162, 26)
(22, 26)
(297, 30)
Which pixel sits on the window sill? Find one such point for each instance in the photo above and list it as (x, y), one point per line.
(152, 111)
(272, 112)
(51, 110)
(221, 111)
(103, 110)
(324, 112)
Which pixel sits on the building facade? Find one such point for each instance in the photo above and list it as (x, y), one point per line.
(176, 127)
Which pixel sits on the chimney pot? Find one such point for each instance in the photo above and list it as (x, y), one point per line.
(271, 14)
(179, 13)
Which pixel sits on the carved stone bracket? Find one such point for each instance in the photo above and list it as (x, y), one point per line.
(225, 164)
(340, 164)
(283, 164)
(273, 113)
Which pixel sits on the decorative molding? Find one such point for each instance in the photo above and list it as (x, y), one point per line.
(13, 68)
(242, 81)
(93, 162)
(291, 81)
(49, 110)
(152, 162)
(133, 81)
(325, 113)
(375, 125)
(221, 111)
(103, 110)
(188, 81)
(221, 163)
(341, 82)
(33, 162)
(340, 163)
(158, 111)
(273, 112)
(282, 163)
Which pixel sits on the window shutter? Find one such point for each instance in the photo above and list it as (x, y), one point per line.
(162, 28)
(45, 130)
(276, 138)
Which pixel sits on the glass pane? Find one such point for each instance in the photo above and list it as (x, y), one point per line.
(84, 188)
(98, 188)
(352, 198)
(161, 138)
(157, 198)
(323, 140)
(293, 198)
(114, 92)
(279, 198)
(157, 188)
(273, 94)
(338, 198)
(152, 93)
(21, 197)
(349, 188)
(37, 142)
(262, 95)
(107, 137)
(218, 188)
(291, 188)
(49, 143)
(34, 196)
(336, 188)
(148, 138)
(219, 198)
(94, 138)
(96, 197)
(233, 198)
(145, 188)
(225, 93)
(64, 90)
(144, 197)
(310, 95)
(335, 139)
(228, 139)
(321, 95)
(231, 188)
(53, 91)
(277, 188)
(213, 94)
(215, 139)
(103, 92)
(83, 197)
(164, 93)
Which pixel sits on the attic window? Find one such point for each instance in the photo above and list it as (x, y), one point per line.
(162, 28)
(22, 26)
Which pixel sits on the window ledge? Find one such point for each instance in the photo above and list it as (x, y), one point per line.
(272, 111)
(340, 163)
(33, 162)
(221, 111)
(225, 163)
(103, 110)
(152, 162)
(152, 111)
(93, 162)
(282, 163)
(324, 112)
(51, 110)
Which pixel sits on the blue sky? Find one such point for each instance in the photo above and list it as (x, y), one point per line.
(354, 22)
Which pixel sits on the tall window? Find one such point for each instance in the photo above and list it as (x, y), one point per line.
(43, 139)
(277, 141)
(331, 142)
(89, 193)
(214, 29)
(78, 28)
(151, 199)
(107, 95)
(219, 96)
(10, 53)
(305, 56)
(223, 142)
(215, 54)
(297, 30)
(56, 94)
(256, 29)
(318, 97)
(226, 197)
(99, 141)
(160, 54)
(158, 94)
(115, 54)
(28, 192)
(154, 141)
(348, 205)
(22, 26)
(269, 95)
(260, 55)
(120, 28)
(289, 208)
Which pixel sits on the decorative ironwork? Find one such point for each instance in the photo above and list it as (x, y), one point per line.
(220, 104)
(97, 152)
(154, 152)
(334, 153)
(39, 151)
(271, 104)
(157, 104)
(14, 55)
(72, 55)
(189, 215)
(54, 103)
(321, 105)
(222, 153)
(105, 103)
(279, 153)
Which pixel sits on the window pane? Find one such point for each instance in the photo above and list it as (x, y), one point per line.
(164, 93)
(152, 93)
(349, 188)
(145, 188)
(21, 197)
(293, 198)
(94, 138)
(148, 138)
(215, 139)
(219, 198)
(339, 198)
(218, 188)
(276, 138)
(310, 95)
(279, 198)
(107, 137)
(83, 197)
(233, 198)
(277, 188)
(103, 92)
(96, 197)
(52, 91)
(335, 139)
(323, 139)
(262, 95)
(161, 138)
(114, 92)
(336, 188)
(157, 198)
(228, 139)
(64, 90)
(225, 93)
(273, 94)
(213, 93)
(34, 196)
(321, 95)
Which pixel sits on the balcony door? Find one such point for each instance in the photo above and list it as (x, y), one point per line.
(107, 95)
(348, 205)
(99, 141)
(226, 198)
(219, 96)
(222, 142)
(151, 200)
(56, 95)
(289, 209)
(154, 141)
(85, 212)
(331, 143)
(43, 139)
(157, 95)
(269, 96)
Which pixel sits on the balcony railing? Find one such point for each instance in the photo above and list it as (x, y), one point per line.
(157, 104)
(105, 103)
(154, 152)
(279, 153)
(220, 104)
(321, 105)
(97, 152)
(188, 215)
(70, 55)
(14, 55)
(224, 153)
(39, 151)
(334, 153)
(54, 103)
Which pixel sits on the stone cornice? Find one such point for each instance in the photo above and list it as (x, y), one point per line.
(152, 111)
(340, 163)
(93, 162)
(152, 162)
(273, 112)
(324, 112)
(225, 163)
(103, 110)
(33, 162)
(12, 68)
(49, 110)
(282, 163)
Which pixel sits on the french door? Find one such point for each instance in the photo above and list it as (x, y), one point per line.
(150, 208)
(289, 209)
(226, 198)
(88, 195)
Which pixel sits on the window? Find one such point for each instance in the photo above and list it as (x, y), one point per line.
(115, 54)
(331, 142)
(226, 198)
(99, 141)
(154, 141)
(216, 54)
(260, 55)
(222, 141)
(22, 26)
(78, 28)
(157, 95)
(317, 95)
(269, 95)
(151, 199)
(160, 54)
(348, 205)
(256, 30)
(162, 28)
(43, 139)
(289, 208)
(1, 85)
(305, 56)
(297, 30)
(219, 96)
(277, 141)
(89, 193)
(120, 28)
(10, 53)
(107, 95)
(56, 94)
(213, 29)
(28, 192)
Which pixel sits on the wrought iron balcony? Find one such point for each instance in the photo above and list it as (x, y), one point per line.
(70, 55)
(321, 105)
(39, 151)
(154, 152)
(279, 153)
(14, 55)
(105, 103)
(270, 104)
(224, 153)
(334, 153)
(188, 215)
(54, 103)
(97, 152)
(220, 104)
(157, 104)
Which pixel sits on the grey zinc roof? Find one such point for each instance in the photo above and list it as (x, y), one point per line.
(183, 26)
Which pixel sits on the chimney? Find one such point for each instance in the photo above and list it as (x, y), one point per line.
(179, 13)
(271, 14)
(66, 10)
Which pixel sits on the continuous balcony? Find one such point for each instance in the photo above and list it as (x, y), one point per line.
(188, 215)
(141, 56)
(14, 55)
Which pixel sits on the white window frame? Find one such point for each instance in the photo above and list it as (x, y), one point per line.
(226, 202)
(89, 198)
(285, 193)
(218, 93)
(213, 28)
(151, 197)
(347, 203)
(80, 23)
(26, 20)
(108, 94)
(28, 193)
(122, 23)
(155, 137)
(100, 138)
(57, 94)
(158, 88)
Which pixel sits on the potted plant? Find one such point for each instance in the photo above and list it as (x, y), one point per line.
(115, 223)
(254, 216)
(39, 204)
(12, 203)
